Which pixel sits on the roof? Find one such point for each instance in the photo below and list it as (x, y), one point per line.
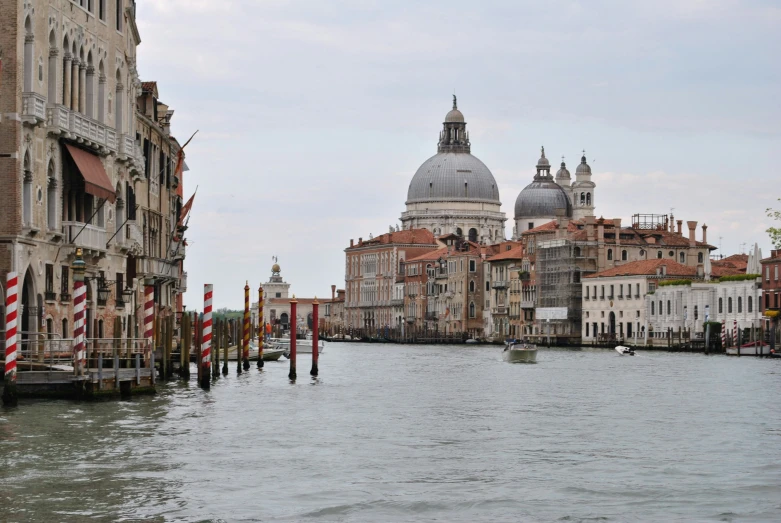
(551, 226)
(647, 268)
(430, 256)
(541, 199)
(406, 236)
(736, 261)
(453, 176)
(516, 253)
(149, 87)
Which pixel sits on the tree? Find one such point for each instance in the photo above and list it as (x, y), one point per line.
(774, 232)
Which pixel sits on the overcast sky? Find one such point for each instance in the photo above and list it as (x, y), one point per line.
(314, 116)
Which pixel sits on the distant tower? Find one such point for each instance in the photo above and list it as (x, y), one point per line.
(276, 287)
(583, 191)
(563, 178)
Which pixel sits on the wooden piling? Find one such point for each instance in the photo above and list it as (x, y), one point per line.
(216, 350)
(237, 338)
(293, 305)
(224, 332)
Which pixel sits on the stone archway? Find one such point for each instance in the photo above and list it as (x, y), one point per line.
(28, 306)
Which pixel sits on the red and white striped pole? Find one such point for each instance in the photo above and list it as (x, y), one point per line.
(79, 304)
(723, 334)
(245, 344)
(11, 303)
(293, 306)
(736, 335)
(149, 315)
(206, 342)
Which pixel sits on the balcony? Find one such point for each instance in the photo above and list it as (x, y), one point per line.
(133, 235)
(432, 316)
(183, 282)
(500, 284)
(527, 304)
(501, 310)
(127, 147)
(92, 238)
(157, 268)
(65, 297)
(441, 274)
(178, 250)
(410, 319)
(33, 108)
(397, 302)
(71, 124)
(50, 295)
(57, 119)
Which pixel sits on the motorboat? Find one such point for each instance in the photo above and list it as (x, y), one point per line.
(519, 352)
(625, 351)
(302, 346)
(755, 348)
(270, 353)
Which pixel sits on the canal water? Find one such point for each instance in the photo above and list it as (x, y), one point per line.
(414, 433)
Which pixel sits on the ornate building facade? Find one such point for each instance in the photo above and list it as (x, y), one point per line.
(453, 192)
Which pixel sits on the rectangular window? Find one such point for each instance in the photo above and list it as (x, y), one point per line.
(531, 225)
(119, 15)
(49, 282)
(65, 283)
(776, 271)
(102, 9)
(472, 266)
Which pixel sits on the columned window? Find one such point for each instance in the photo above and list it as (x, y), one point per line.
(51, 198)
(27, 192)
(29, 38)
(54, 53)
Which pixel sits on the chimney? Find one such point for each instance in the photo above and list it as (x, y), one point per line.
(672, 222)
(617, 227)
(360, 241)
(680, 226)
(351, 242)
(704, 233)
(333, 292)
(601, 233)
(692, 231)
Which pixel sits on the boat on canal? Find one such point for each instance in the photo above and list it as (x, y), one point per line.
(270, 353)
(754, 348)
(302, 346)
(625, 351)
(519, 352)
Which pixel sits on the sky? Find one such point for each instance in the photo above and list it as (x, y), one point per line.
(314, 116)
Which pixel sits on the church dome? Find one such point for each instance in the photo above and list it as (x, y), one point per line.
(563, 172)
(453, 176)
(454, 116)
(540, 199)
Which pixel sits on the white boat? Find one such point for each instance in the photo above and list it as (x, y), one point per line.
(269, 353)
(750, 349)
(519, 352)
(302, 346)
(625, 351)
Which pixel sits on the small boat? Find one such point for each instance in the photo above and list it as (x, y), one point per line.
(754, 348)
(471, 340)
(519, 352)
(270, 353)
(302, 346)
(625, 351)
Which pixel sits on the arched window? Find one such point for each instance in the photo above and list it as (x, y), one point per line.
(740, 304)
(29, 38)
(51, 197)
(610, 254)
(118, 104)
(624, 255)
(52, 75)
(750, 304)
(101, 93)
(729, 305)
(669, 307)
(577, 252)
(653, 311)
(90, 87)
(721, 305)
(471, 309)
(588, 198)
(472, 234)
(65, 333)
(699, 258)
(471, 286)
(582, 198)
(27, 191)
(459, 232)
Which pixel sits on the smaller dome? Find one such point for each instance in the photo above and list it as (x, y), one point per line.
(563, 172)
(454, 116)
(583, 168)
(543, 162)
(540, 199)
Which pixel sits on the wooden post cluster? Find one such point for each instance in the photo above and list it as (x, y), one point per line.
(293, 310)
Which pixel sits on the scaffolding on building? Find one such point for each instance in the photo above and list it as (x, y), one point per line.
(651, 222)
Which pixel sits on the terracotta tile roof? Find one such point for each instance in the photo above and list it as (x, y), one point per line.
(736, 261)
(516, 253)
(647, 268)
(407, 236)
(719, 271)
(430, 256)
(149, 87)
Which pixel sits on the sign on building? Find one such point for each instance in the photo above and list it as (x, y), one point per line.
(551, 313)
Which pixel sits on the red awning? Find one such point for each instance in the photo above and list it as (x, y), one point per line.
(96, 180)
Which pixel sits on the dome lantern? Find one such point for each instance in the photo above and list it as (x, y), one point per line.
(454, 138)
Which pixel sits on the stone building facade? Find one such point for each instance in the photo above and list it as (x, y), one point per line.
(71, 165)
(371, 274)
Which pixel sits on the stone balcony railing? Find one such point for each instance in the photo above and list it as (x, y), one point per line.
(131, 237)
(500, 284)
(76, 126)
(499, 311)
(183, 282)
(92, 237)
(34, 107)
(527, 304)
(157, 268)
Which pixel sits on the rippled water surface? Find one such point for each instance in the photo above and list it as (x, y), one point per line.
(414, 433)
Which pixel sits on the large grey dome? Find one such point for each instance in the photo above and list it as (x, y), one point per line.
(540, 199)
(453, 176)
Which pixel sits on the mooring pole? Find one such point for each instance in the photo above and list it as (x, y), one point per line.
(225, 343)
(315, 336)
(10, 397)
(216, 350)
(206, 344)
(239, 343)
(261, 328)
(293, 306)
(246, 327)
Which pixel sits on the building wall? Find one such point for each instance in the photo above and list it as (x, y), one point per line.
(446, 217)
(627, 307)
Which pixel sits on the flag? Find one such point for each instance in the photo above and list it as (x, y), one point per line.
(185, 210)
(180, 157)
(447, 312)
